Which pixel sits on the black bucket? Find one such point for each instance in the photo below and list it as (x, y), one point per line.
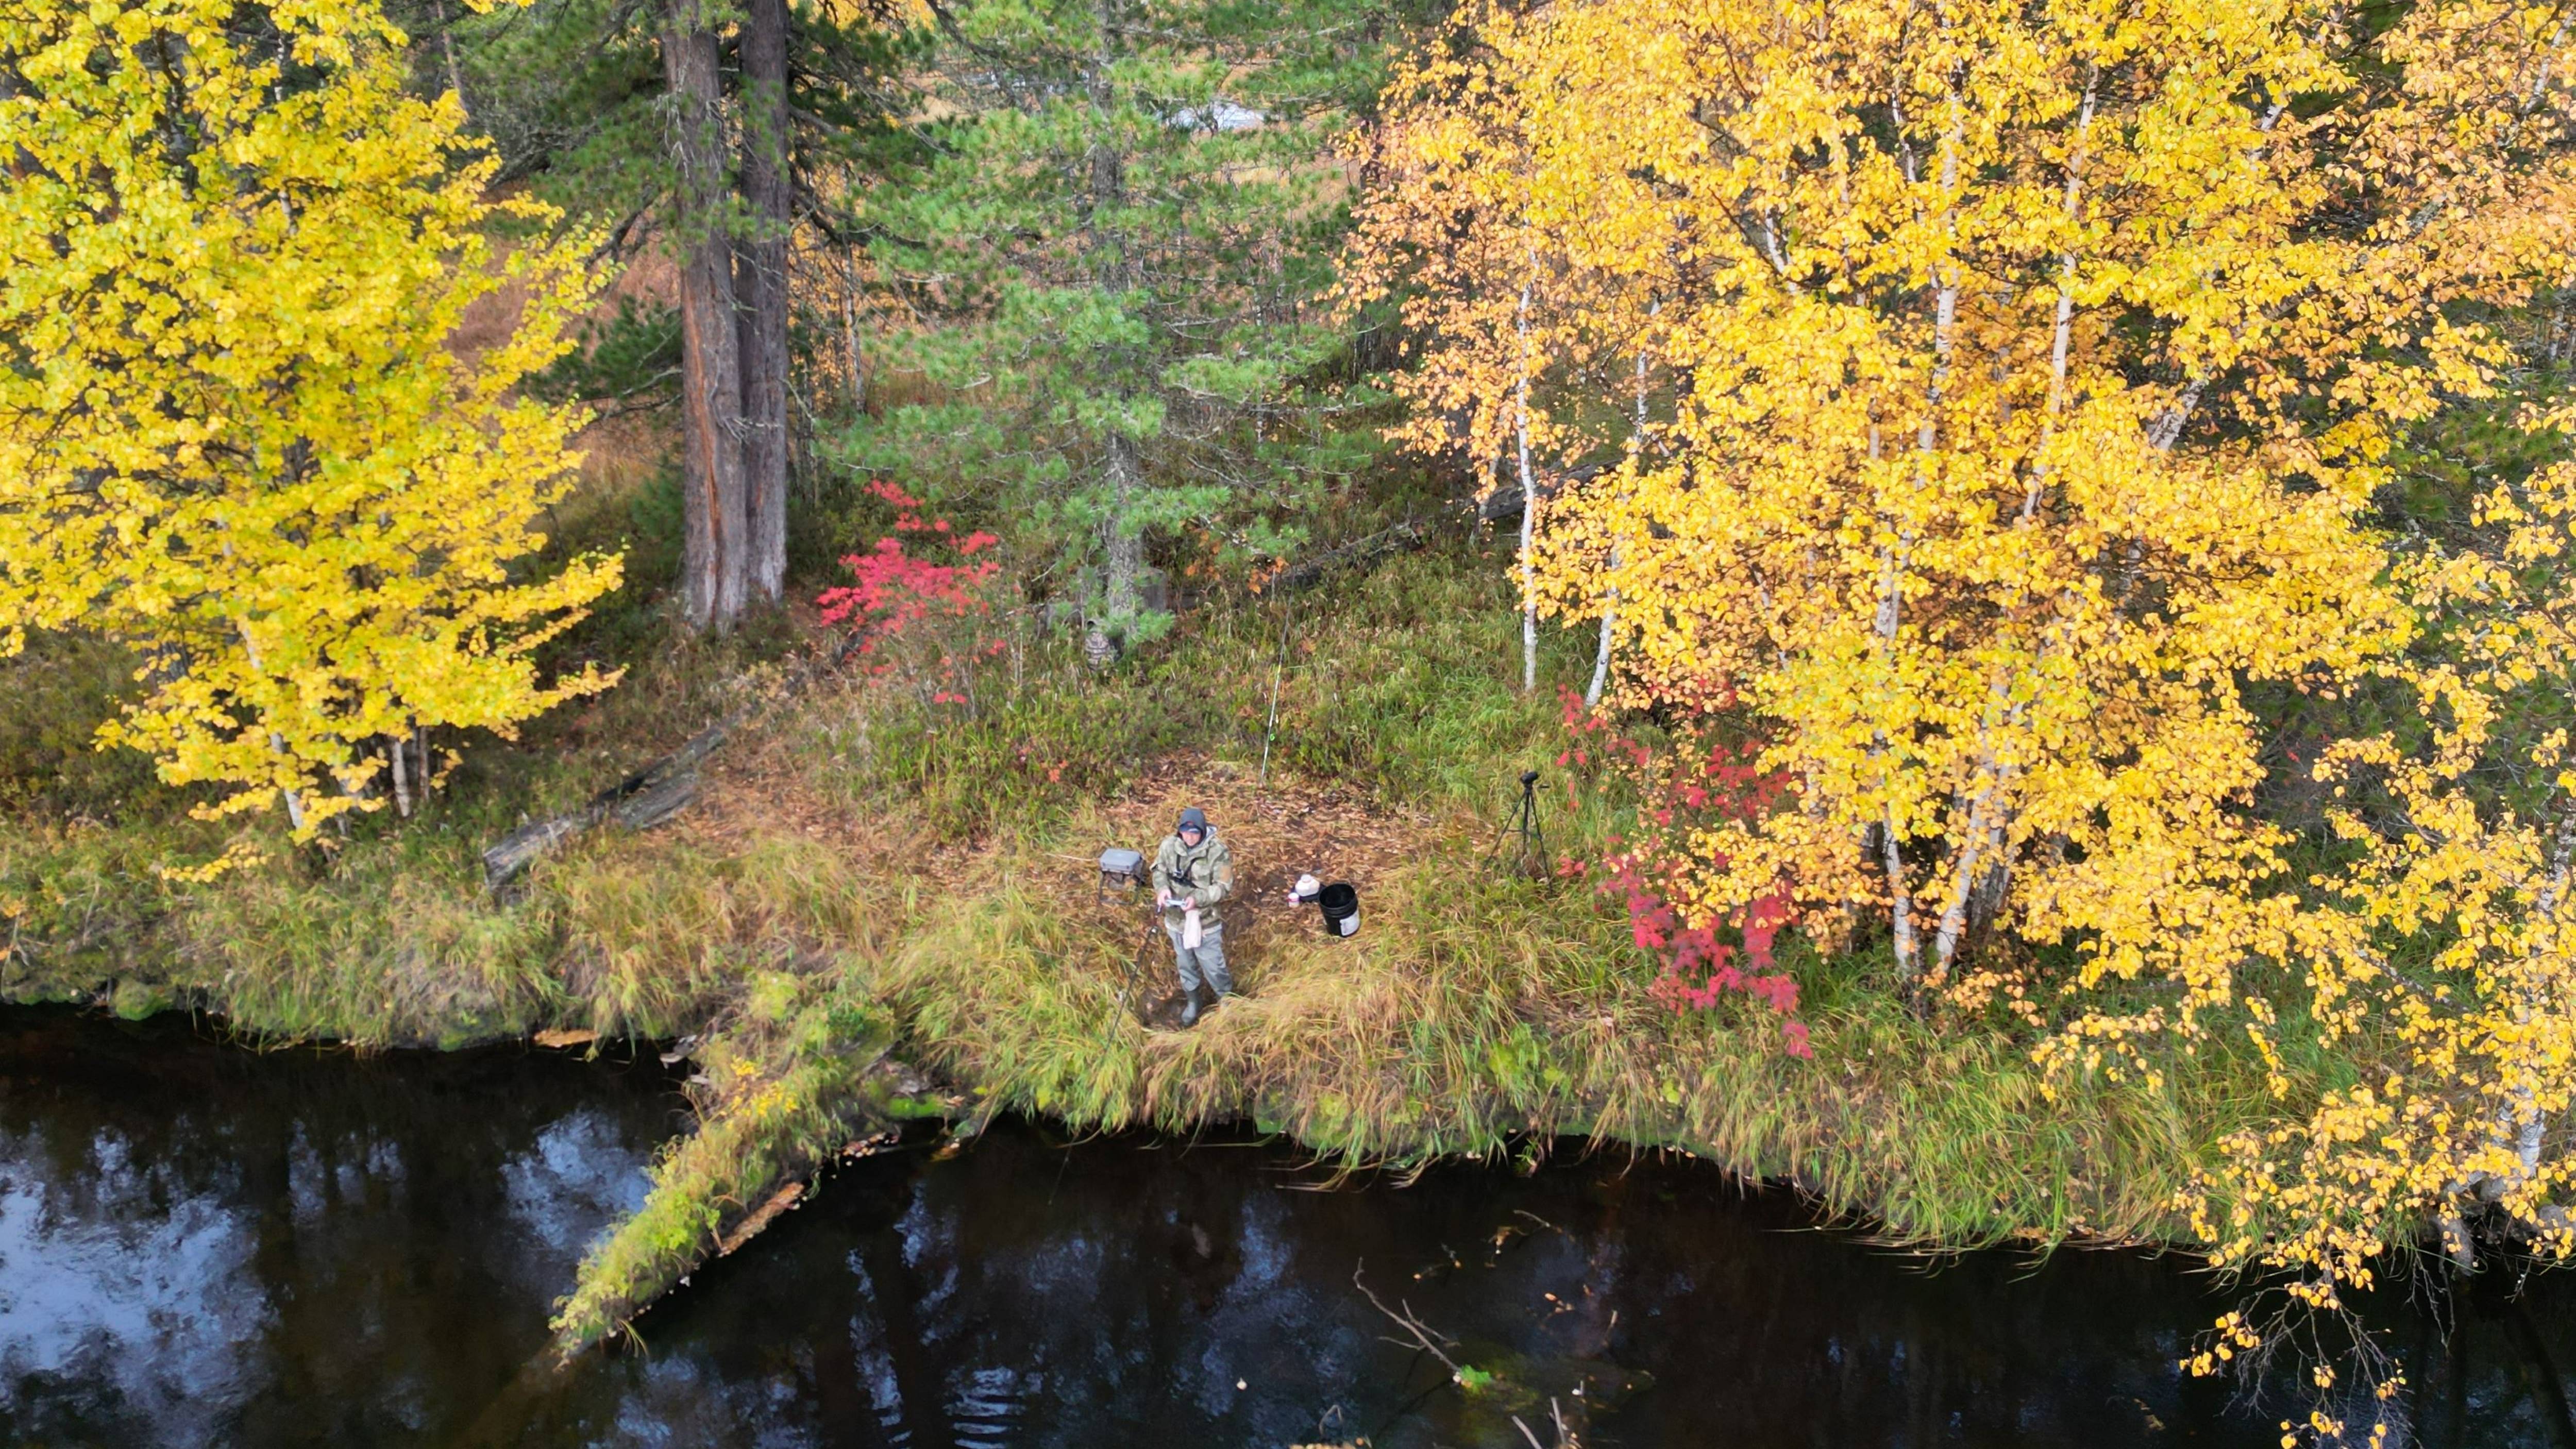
(1340, 903)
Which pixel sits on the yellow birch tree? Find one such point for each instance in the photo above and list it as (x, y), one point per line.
(2036, 369)
(232, 432)
(2033, 370)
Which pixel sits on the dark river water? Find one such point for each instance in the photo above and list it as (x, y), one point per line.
(201, 1245)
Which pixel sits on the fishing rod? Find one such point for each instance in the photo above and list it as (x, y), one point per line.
(1278, 667)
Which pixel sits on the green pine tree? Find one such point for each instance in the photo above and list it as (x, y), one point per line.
(1115, 251)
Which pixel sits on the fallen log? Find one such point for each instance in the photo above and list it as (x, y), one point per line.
(1310, 572)
(639, 802)
(1505, 499)
(647, 797)
(1501, 503)
(761, 1217)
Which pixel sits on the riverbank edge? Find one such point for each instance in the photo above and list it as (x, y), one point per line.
(746, 1162)
(832, 968)
(813, 1069)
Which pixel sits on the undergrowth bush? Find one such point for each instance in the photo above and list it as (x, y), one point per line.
(1399, 683)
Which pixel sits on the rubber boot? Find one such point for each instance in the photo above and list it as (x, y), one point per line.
(1190, 1009)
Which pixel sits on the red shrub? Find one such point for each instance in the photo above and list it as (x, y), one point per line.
(1690, 784)
(916, 619)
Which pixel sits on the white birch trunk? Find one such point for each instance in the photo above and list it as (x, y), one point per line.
(1909, 951)
(1618, 545)
(2062, 335)
(1989, 812)
(1529, 500)
(2522, 1126)
(2166, 429)
(276, 741)
(1900, 896)
(1609, 622)
(402, 780)
(1891, 599)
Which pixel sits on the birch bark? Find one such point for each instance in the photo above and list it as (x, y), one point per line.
(1989, 812)
(1529, 497)
(1610, 600)
(1891, 599)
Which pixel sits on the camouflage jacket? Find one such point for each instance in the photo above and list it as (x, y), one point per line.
(1204, 875)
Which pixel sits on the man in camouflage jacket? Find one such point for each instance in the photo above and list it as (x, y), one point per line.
(1192, 872)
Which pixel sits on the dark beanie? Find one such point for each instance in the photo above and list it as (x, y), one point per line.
(1193, 819)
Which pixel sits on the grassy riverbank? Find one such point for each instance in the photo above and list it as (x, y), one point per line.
(864, 881)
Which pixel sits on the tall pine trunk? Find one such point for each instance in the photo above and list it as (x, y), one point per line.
(1123, 550)
(1122, 543)
(760, 276)
(714, 516)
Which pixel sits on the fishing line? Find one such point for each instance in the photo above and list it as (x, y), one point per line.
(1270, 727)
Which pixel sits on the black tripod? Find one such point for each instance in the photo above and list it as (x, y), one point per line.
(1524, 823)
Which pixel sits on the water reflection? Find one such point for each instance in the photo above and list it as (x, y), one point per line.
(199, 1245)
(202, 1245)
(122, 1302)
